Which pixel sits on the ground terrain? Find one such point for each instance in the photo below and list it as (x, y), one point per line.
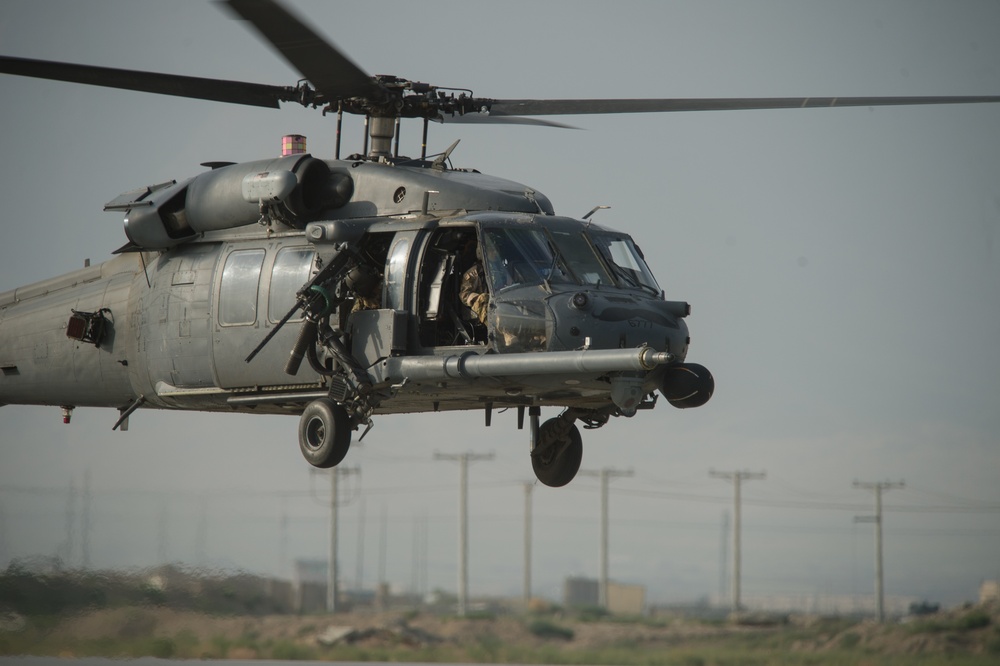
(969, 635)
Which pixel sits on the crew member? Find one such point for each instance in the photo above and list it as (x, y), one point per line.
(472, 290)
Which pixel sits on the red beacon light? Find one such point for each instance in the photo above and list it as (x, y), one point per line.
(293, 144)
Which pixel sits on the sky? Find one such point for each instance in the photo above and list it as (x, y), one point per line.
(842, 265)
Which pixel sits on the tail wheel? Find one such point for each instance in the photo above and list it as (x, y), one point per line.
(324, 433)
(557, 457)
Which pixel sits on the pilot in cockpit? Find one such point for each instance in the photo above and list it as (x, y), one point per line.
(472, 291)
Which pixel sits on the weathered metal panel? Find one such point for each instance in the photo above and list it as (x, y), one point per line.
(377, 335)
(174, 332)
(44, 366)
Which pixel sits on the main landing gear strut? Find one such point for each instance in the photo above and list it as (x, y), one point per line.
(556, 448)
(556, 445)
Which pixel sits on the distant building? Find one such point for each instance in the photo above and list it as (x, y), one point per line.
(580, 592)
(626, 599)
(309, 585)
(989, 591)
(824, 604)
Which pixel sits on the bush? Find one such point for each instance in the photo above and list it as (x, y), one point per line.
(976, 619)
(162, 647)
(290, 651)
(546, 629)
(592, 613)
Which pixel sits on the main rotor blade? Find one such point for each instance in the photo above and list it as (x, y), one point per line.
(487, 119)
(545, 107)
(331, 72)
(218, 90)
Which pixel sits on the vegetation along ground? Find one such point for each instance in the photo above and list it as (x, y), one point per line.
(38, 618)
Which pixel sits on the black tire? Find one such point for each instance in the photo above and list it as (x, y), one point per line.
(557, 464)
(324, 433)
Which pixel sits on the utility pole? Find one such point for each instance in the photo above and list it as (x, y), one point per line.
(382, 544)
(3, 537)
(737, 478)
(70, 524)
(331, 565)
(463, 521)
(201, 534)
(85, 541)
(360, 565)
(382, 590)
(605, 475)
(878, 488)
(724, 557)
(163, 534)
(528, 486)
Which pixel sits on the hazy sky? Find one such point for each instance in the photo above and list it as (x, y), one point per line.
(843, 266)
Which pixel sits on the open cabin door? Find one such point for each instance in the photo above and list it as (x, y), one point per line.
(443, 320)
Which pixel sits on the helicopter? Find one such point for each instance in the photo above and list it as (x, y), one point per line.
(356, 266)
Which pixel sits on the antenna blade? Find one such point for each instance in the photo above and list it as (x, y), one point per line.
(217, 90)
(543, 107)
(333, 74)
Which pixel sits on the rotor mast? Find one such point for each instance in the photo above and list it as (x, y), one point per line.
(381, 130)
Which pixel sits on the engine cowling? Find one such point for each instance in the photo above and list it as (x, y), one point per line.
(298, 187)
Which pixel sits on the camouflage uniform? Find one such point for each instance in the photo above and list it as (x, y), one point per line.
(472, 292)
(369, 301)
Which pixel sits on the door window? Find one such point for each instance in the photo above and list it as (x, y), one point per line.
(238, 291)
(291, 270)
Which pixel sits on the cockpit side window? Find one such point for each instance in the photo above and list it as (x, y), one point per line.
(581, 258)
(625, 261)
(521, 257)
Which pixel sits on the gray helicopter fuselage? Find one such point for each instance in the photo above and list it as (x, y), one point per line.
(179, 320)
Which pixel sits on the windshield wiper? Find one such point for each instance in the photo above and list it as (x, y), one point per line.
(633, 280)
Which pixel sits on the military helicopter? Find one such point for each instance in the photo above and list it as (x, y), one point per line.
(231, 280)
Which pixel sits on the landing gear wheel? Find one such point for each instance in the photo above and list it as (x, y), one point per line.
(557, 457)
(324, 433)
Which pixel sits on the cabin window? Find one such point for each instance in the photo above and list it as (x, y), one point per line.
(291, 270)
(238, 291)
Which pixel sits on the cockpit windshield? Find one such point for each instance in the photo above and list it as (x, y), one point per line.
(531, 255)
(522, 257)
